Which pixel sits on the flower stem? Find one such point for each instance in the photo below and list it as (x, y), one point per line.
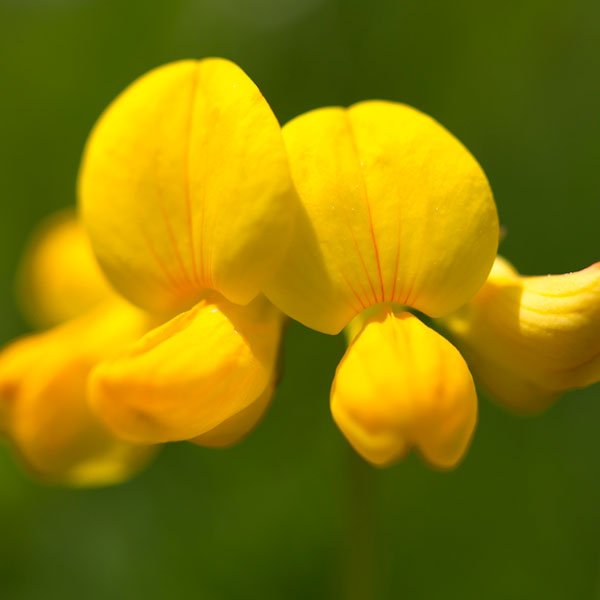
(360, 567)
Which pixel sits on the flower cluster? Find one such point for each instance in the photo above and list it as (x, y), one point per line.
(211, 225)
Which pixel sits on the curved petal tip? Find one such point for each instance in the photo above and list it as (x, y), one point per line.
(401, 385)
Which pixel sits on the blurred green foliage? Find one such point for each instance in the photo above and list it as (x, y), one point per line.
(517, 82)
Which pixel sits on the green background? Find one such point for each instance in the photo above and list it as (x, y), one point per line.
(518, 82)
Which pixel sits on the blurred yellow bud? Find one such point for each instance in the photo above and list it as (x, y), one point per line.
(58, 277)
(43, 395)
(44, 410)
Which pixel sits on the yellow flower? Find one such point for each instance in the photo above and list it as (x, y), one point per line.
(529, 339)
(396, 214)
(397, 217)
(186, 193)
(43, 377)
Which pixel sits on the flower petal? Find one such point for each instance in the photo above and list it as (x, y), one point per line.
(399, 385)
(394, 207)
(59, 278)
(192, 374)
(43, 389)
(528, 339)
(185, 186)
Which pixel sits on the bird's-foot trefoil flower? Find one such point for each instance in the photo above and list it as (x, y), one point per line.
(44, 410)
(398, 219)
(397, 214)
(186, 193)
(529, 339)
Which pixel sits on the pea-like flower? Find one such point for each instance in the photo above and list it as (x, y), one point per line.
(529, 339)
(398, 219)
(44, 409)
(198, 210)
(186, 193)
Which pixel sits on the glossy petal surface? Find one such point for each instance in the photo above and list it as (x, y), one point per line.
(59, 278)
(394, 207)
(43, 389)
(528, 339)
(192, 374)
(185, 186)
(399, 385)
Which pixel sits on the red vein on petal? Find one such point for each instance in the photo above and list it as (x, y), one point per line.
(347, 280)
(372, 230)
(171, 235)
(187, 191)
(397, 260)
(362, 260)
(365, 195)
(160, 263)
(407, 299)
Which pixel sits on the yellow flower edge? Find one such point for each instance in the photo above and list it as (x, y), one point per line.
(530, 339)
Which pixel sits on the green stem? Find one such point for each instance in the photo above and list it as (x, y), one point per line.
(361, 564)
